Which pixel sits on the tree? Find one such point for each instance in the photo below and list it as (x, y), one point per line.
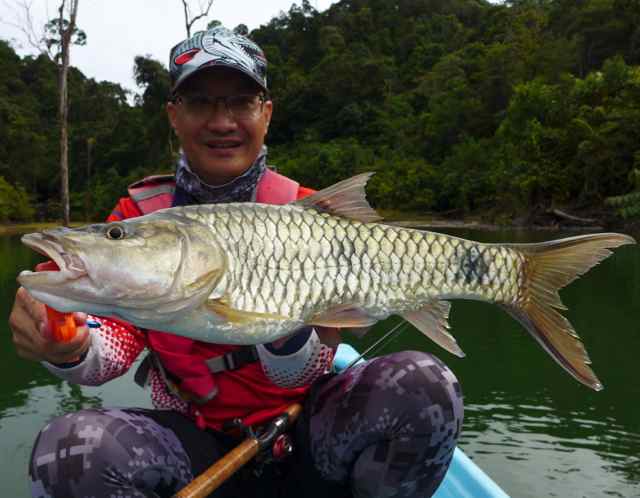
(59, 34)
(65, 30)
(15, 204)
(459, 105)
(151, 75)
(241, 29)
(189, 19)
(628, 205)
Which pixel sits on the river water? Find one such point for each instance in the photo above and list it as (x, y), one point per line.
(529, 425)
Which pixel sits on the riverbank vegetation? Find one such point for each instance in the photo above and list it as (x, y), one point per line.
(506, 111)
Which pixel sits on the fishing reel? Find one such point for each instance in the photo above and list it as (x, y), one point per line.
(274, 444)
(282, 447)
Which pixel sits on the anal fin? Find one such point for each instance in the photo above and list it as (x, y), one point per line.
(432, 321)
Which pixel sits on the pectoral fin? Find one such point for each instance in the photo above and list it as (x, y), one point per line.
(204, 280)
(240, 317)
(343, 317)
(432, 321)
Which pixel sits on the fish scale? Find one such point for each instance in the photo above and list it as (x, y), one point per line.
(250, 273)
(328, 254)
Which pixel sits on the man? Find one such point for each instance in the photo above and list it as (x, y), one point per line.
(386, 427)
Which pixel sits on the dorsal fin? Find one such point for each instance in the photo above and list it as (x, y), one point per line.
(346, 198)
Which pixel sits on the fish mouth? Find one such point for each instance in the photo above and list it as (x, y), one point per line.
(71, 267)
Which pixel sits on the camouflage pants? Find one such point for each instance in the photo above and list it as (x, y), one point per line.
(384, 428)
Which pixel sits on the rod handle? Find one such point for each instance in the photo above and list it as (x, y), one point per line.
(212, 478)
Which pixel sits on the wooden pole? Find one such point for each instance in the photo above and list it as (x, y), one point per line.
(212, 478)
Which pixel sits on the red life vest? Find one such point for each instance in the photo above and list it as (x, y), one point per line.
(245, 393)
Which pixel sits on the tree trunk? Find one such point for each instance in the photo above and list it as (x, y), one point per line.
(188, 21)
(87, 205)
(64, 139)
(187, 26)
(63, 109)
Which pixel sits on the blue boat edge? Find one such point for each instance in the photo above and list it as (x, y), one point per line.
(464, 478)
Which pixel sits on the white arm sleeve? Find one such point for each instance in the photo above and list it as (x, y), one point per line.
(299, 368)
(112, 351)
(80, 373)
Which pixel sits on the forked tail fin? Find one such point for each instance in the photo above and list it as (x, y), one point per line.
(549, 267)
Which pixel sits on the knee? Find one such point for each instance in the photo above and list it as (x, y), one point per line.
(426, 390)
(60, 453)
(65, 428)
(97, 452)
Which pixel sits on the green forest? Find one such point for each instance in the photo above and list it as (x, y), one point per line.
(462, 107)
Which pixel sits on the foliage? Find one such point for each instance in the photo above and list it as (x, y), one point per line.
(15, 204)
(464, 105)
(52, 37)
(108, 187)
(628, 205)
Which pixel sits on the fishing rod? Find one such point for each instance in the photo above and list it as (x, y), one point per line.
(212, 478)
(380, 343)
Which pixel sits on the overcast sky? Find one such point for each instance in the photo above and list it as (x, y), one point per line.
(118, 30)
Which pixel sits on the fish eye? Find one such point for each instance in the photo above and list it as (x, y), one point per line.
(115, 232)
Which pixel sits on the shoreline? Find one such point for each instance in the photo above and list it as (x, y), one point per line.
(21, 228)
(396, 219)
(492, 227)
(542, 221)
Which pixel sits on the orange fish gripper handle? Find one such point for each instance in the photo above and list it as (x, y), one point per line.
(62, 325)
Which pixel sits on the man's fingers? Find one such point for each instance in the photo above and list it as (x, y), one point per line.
(78, 341)
(34, 308)
(64, 352)
(24, 329)
(22, 343)
(27, 355)
(32, 337)
(67, 357)
(80, 319)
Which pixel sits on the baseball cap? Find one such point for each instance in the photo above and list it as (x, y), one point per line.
(217, 47)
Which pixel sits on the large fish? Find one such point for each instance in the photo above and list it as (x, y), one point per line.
(246, 273)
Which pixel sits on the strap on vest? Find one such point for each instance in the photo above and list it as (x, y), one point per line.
(153, 193)
(273, 188)
(166, 178)
(156, 192)
(229, 361)
(139, 195)
(232, 360)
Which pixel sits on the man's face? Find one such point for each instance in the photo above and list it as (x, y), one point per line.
(219, 145)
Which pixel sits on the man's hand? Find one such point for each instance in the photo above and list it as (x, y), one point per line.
(32, 337)
(329, 336)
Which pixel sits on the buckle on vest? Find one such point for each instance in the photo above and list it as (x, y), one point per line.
(141, 377)
(150, 361)
(232, 360)
(229, 361)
